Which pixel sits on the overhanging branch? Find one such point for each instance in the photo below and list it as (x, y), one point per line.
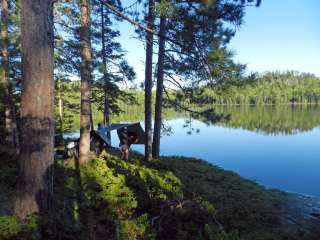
(137, 24)
(120, 14)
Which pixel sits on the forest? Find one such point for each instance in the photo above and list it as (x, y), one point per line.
(271, 88)
(63, 69)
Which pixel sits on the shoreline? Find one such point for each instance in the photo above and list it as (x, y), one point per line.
(303, 211)
(238, 204)
(299, 209)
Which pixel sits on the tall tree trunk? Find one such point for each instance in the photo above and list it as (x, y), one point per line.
(159, 94)
(148, 82)
(86, 57)
(106, 112)
(10, 114)
(60, 106)
(37, 108)
(91, 118)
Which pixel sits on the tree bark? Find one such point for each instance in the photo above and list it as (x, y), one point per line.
(60, 105)
(12, 137)
(106, 112)
(35, 183)
(91, 118)
(159, 93)
(148, 82)
(86, 57)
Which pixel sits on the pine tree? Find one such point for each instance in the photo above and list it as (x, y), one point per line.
(34, 186)
(110, 66)
(86, 80)
(148, 81)
(159, 93)
(196, 53)
(106, 110)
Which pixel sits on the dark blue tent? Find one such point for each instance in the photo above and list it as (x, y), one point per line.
(134, 128)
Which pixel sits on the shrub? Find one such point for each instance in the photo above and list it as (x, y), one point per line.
(106, 190)
(152, 186)
(136, 229)
(9, 226)
(12, 228)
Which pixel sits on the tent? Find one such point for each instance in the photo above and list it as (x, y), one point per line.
(134, 128)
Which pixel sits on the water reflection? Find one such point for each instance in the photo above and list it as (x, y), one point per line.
(276, 146)
(284, 161)
(270, 120)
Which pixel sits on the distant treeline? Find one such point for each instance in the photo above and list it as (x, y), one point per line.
(267, 89)
(125, 111)
(275, 88)
(263, 119)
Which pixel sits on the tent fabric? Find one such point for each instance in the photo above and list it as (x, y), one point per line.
(132, 127)
(103, 136)
(117, 126)
(138, 131)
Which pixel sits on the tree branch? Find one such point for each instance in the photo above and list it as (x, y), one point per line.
(120, 14)
(137, 24)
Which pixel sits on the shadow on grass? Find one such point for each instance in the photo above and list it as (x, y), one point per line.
(72, 218)
(240, 206)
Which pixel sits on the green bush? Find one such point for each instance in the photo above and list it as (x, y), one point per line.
(104, 188)
(12, 228)
(9, 226)
(135, 229)
(152, 186)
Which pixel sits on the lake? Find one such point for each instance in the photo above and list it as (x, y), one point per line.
(275, 146)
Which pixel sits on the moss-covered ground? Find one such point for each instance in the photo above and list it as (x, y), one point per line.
(168, 198)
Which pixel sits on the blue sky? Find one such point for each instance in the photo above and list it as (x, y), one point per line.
(279, 35)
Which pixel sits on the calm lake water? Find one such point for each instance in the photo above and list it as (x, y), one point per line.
(276, 146)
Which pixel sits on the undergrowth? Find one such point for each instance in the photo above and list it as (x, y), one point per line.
(169, 198)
